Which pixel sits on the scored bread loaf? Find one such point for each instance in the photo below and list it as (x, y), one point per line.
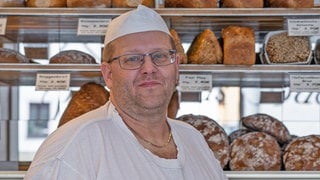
(12, 56)
(46, 3)
(132, 3)
(191, 3)
(72, 57)
(12, 3)
(238, 45)
(205, 49)
(90, 96)
(242, 3)
(179, 47)
(89, 3)
(290, 3)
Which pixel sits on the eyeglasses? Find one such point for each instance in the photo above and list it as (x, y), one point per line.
(135, 61)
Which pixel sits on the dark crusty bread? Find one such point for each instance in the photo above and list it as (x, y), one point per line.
(89, 97)
(214, 134)
(302, 154)
(268, 124)
(12, 56)
(255, 151)
(72, 57)
(89, 3)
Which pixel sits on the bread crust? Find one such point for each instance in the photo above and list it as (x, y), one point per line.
(89, 3)
(238, 45)
(46, 3)
(242, 3)
(191, 3)
(205, 49)
(132, 3)
(290, 3)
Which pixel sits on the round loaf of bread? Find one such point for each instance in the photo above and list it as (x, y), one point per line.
(174, 105)
(303, 154)
(12, 56)
(132, 3)
(242, 3)
(179, 47)
(237, 133)
(46, 3)
(268, 124)
(12, 3)
(255, 151)
(90, 96)
(72, 57)
(214, 134)
(89, 3)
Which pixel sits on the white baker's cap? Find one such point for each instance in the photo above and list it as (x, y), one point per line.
(141, 19)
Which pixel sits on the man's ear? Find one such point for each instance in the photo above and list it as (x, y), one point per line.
(106, 73)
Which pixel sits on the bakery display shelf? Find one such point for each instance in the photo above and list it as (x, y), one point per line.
(278, 175)
(222, 75)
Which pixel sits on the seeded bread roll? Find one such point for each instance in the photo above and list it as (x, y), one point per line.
(238, 45)
(302, 154)
(214, 134)
(89, 3)
(205, 49)
(72, 57)
(290, 3)
(90, 96)
(191, 3)
(268, 124)
(12, 56)
(242, 3)
(255, 151)
(179, 47)
(132, 3)
(12, 3)
(46, 3)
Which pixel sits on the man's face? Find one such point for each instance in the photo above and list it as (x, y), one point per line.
(150, 86)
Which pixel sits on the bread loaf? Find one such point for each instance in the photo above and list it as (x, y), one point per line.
(12, 3)
(268, 124)
(238, 45)
(255, 151)
(72, 57)
(174, 105)
(302, 154)
(179, 47)
(214, 134)
(89, 3)
(191, 3)
(132, 3)
(12, 56)
(242, 3)
(290, 3)
(46, 3)
(90, 96)
(205, 49)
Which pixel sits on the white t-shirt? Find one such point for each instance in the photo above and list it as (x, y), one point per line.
(98, 145)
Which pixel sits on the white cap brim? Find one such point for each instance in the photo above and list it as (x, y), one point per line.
(141, 19)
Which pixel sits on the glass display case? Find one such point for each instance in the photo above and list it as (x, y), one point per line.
(28, 115)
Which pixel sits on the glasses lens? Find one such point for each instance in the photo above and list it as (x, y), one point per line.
(131, 61)
(162, 58)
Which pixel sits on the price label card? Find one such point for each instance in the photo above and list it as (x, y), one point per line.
(92, 26)
(52, 82)
(3, 26)
(304, 27)
(195, 82)
(305, 82)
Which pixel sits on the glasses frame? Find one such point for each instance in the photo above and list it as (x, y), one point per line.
(172, 52)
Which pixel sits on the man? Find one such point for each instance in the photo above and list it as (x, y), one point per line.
(130, 137)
